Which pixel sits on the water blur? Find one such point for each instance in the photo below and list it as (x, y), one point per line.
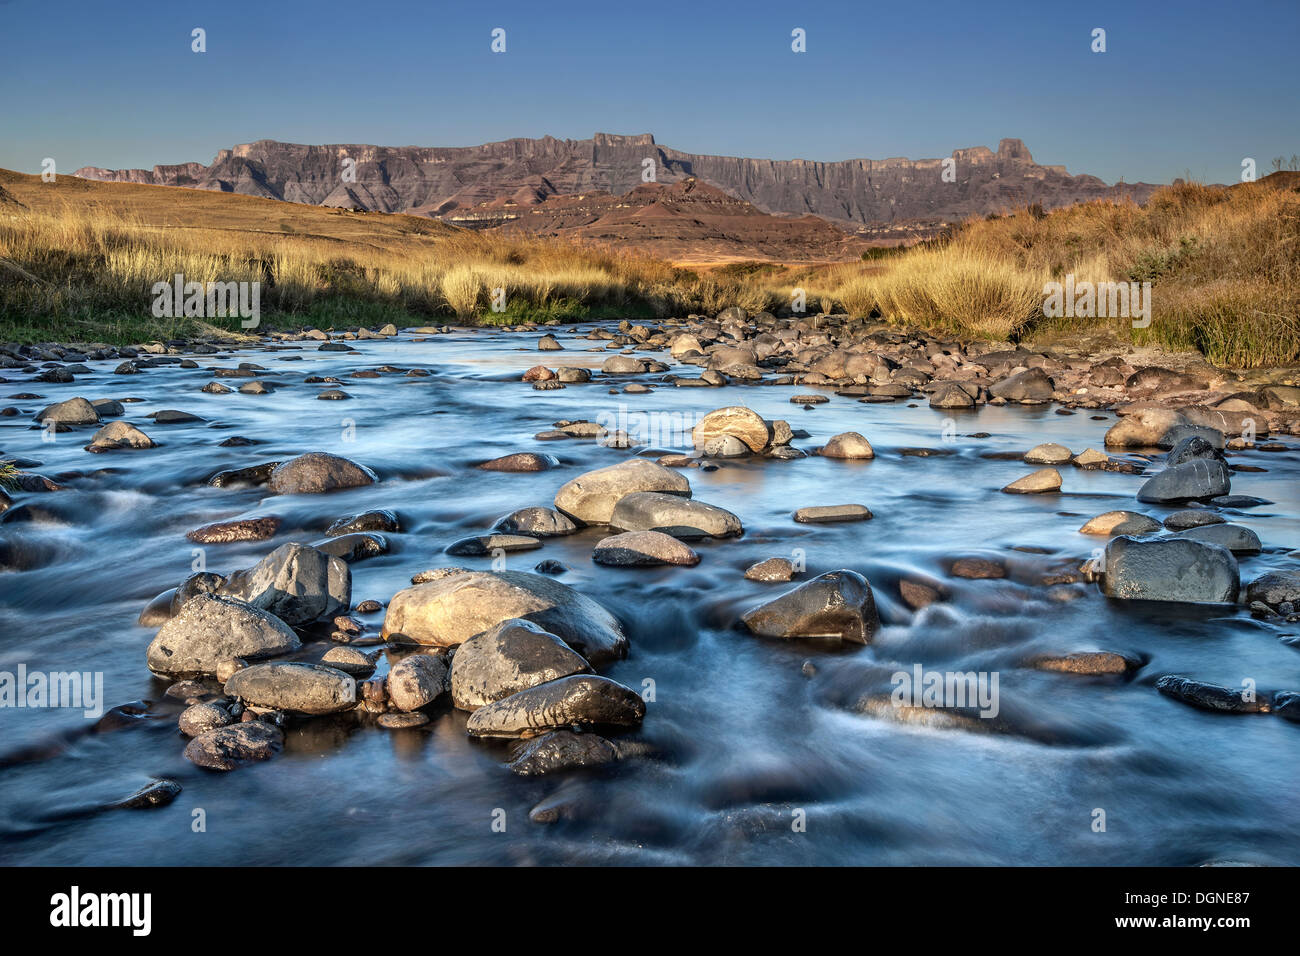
(741, 739)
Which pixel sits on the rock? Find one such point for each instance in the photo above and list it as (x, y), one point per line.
(919, 594)
(1234, 537)
(572, 375)
(819, 514)
(245, 529)
(173, 416)
(590, 498)
(581, 700)
(1120, 522)
(1048, 454)
(549, 343)
(673, 514)
(1031, 387)
(228, 748)
(848, 445)
(1192, 518)
(562, 750)
(157, 793)
(1191, 481)
(977, 569)
(201, 582)
(736, 421)
(351, 548)
(75, 411)
(379, 520)
(117, 435)
(951, 395)
(1211, 696)
(725, 446)
(296, 583)
(1238, 501)
(511, 657)
(453, 609)
(198, 719)
(623, 365)
(318, 472)
(417, 681)
(1191, 448)
(486, 544)
(538, 373)
(1090, 459)
(1144, 429)
(521, 461)
(209, 629)
(808, 399)
(294, 687)
(538, 522)
(643, 549)
(401, 721)
(1041, 482)
(1086, 662)
(1170, 569)
(1275, 587)
(350, 661)
(834, 604)
(1180, 433)
(773, 569)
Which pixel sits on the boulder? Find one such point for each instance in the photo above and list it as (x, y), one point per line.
(296, 583)
(848, 445)
(417, 681)
(228, 748)
(1030, 387)
(1048, 454)
(582, 700)
(835, 604)
(521, 461)
(318, 472)
(1275, 587)
(1170, 569)
(673, 514)
(737, 421)
(538, 522)
(1211, 696)
(1234, 537)
(1191, 481)
(562, 750)
(118, 435)
(643, 549)
(299, 688)
(1120, 522)
(1041, 482)
(511, 657)
(209, 629)
(485, 544)
(75, 411)
(452, 609)
(1143, 429)
(591, 497)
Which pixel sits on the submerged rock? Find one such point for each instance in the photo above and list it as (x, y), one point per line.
(829, 513)
(452, 609)
(581, 700)
(228, 748)
(562, 750)
(835, 604)
(1212, 696)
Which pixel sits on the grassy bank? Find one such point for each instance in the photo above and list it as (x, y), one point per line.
(78, 260)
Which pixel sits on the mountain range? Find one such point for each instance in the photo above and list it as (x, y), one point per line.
(485, 186)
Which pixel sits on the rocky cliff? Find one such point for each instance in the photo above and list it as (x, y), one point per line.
(453, 181)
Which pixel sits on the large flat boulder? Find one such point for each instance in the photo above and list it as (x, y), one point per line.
(591, 497)
(451, 610)
(210, 629)
(1170, 569)
(674, 515)
(295, 687)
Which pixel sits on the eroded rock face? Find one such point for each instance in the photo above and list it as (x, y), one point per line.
(591, 497)
(673, 514)
(511, 657)
(300, 688)
(209, 629)
(452, 609)
(296, 583)
(317, 472)
(834, 604)
(1170, 569)
(581, 700)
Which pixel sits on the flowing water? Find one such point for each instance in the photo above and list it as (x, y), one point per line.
(749, 756)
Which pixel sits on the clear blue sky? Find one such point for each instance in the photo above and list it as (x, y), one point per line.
(1183, 87)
